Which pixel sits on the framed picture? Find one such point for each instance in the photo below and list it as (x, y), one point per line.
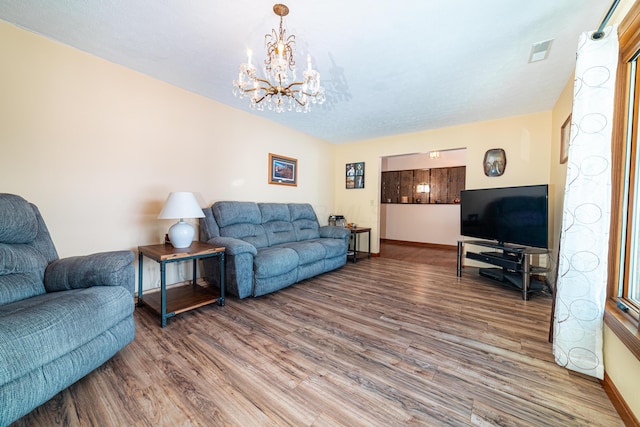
(495, 162)
(355, 175)
(283, 170)
(565, 136)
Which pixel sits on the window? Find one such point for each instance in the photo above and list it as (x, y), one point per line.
(629, 261)
(624, 255)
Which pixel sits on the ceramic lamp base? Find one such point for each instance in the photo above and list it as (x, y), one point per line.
(181, 234)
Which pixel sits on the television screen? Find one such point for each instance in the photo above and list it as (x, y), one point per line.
(517, 215)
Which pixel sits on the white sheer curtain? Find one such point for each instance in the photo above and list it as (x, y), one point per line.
(582, 269)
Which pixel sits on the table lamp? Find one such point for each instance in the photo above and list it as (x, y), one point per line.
(180, 205)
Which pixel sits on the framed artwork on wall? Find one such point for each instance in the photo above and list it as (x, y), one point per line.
(565, 136)
(355, 175)
(283, 170)
(495, 162)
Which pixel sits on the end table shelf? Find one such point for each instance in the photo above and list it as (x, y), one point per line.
(172, 300)
(181, 298)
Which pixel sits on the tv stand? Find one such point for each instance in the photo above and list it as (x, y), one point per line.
(513, 264)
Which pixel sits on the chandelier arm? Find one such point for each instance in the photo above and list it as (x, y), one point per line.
(288, 88)
(253, 89)
(267, 82)
(299, 91)
(260, 100)
(294, 84)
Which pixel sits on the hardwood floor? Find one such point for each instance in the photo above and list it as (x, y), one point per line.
(441, 256)
(382, 342)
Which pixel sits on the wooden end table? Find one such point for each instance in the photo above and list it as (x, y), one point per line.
(354, 235)
(181, 298)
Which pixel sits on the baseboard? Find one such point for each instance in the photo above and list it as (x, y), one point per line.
(420, 244)
(628, 418)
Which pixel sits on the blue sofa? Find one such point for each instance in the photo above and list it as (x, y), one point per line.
(59, 318)
(270, 246)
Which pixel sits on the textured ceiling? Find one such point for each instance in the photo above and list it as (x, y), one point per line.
(389, 67)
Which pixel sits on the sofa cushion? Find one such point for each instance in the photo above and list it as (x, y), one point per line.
(229, 213)
(21, 272)
(18, 222)
(240, 220)
(308, 252)
(21, 259)
(277, 223)
(279, 232)
(250, 233)
(274, 261)
(19, 286)
(58, 322)
(274, 212)
(302, 211)
(304, 221)
(333, 247)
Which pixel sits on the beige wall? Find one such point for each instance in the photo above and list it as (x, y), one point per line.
(558, 171)
(98, 147)
(623, 368)
(525, 139)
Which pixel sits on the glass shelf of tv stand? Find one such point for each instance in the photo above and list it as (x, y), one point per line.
(516, 249)
(513, 264)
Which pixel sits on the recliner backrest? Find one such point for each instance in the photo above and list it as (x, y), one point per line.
(304, 220)
(240, 220)
(276, 221)
(25, 249)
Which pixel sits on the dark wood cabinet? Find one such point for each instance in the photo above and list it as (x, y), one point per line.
(439, 184)
(406, 186)
(421, 178)
(390, 187)
(457, 178)
(444, 184)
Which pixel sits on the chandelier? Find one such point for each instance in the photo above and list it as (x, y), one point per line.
(280, 89)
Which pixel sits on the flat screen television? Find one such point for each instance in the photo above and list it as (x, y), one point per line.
(516, 215)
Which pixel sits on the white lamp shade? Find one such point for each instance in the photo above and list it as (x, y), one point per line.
(181, 204)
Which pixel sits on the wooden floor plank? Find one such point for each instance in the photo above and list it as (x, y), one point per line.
(382, 342)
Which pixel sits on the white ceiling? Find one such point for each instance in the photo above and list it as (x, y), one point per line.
(389, 67)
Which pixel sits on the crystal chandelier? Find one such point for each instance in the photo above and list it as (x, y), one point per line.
(279, 89)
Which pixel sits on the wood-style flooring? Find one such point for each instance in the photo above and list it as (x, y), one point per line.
(383, 342)
(441, 256)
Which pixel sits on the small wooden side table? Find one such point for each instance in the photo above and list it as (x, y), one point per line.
(354, 235)
(179, 299)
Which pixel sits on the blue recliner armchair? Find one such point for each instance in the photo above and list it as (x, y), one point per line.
(59, 318)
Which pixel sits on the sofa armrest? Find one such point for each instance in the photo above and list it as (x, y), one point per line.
(100, 269)
(334, 232)
(233, 246)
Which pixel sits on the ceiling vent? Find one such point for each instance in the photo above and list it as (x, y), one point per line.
(540, 51)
